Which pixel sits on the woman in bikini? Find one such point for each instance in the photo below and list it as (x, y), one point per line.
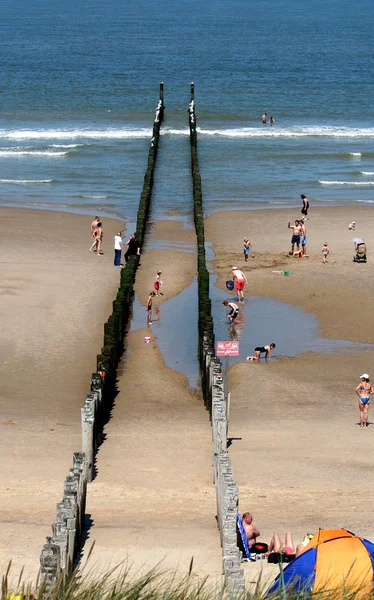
(262, 350)
(363, 391)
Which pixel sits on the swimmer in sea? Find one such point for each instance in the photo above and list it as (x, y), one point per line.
(363, 391)
(233, 312)
(262, 350)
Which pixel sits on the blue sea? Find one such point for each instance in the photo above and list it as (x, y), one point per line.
(80, 83)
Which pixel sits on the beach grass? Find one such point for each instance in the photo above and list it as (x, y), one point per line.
(120, 583)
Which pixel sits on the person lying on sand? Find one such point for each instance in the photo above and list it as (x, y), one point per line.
(288, 548)
(261, 350)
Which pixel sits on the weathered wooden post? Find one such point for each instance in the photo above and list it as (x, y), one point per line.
(162, 94)
(192, 92)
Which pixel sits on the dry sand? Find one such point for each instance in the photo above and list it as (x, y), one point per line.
(153, 499)
(301, 460)
(54, 298)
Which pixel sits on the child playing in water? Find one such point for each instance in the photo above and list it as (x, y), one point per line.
(157, 283)
(246, 248)
(325, 252)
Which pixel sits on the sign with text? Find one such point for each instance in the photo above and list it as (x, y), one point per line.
(227, 348)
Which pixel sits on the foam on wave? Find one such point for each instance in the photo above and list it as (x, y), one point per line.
(346, 182)
(67, 134)
(48, 153)
(26, 181)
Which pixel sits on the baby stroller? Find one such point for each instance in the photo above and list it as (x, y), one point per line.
(360, 250)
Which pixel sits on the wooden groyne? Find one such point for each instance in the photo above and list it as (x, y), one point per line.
(62, 548)
(227, 492)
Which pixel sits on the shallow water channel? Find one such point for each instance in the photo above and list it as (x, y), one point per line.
(261, 321)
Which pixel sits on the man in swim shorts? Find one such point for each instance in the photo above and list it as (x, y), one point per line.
(240, 281)
(296, 235)
(251, 531)
(234, 310)
(303, 236)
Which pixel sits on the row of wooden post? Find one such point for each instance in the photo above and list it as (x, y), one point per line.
(62, 548)
(227, 493)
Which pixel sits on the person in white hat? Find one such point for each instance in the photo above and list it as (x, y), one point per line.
(363, 391)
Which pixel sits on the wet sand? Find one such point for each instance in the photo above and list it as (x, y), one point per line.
(153, 500)
(54, 298)
(301, 460)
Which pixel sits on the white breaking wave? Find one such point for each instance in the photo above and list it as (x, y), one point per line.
(368, 173)
(66, 145)
(67, 134)
(289, 132)
(170, 131)
(95, 197)
(26, 181)
(9, 153)
(346, 182)
(355, 154)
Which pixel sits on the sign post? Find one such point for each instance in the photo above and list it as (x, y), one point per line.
(227, 349)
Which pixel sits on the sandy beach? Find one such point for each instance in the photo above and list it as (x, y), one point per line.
(300, 459)
(153, 501)
(55, 297)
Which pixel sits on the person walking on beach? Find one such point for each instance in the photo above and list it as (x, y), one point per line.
(305, 207)
(133, 247)
(240, 281)
(262, 350)
(118, 244)
(234, 310)
(98, 238)
(303, 237)
(325, 252)
(157, 283)
(149, 308)
(363, 391)
(295, 236)
(263, 118)
(246, 248)
(93, 230)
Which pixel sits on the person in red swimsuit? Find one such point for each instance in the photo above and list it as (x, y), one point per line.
(240, 281)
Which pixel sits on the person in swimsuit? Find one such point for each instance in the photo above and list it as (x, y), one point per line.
(262, 350)
(271, 120)
(240, 281)
(303, 237)
(304, 210)
(288, 548)
(325, 252)
(233, 312)
(295, 236)
(246, 248)
(363, 391)
(157, 283)
(263, 118)
(148, 308)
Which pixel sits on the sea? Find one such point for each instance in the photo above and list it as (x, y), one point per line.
(80, 84)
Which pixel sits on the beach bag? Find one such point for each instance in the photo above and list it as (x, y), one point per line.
(230, 285)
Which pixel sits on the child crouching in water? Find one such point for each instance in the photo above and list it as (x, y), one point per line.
(325, 252)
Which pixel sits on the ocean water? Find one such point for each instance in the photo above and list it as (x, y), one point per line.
(80, 84)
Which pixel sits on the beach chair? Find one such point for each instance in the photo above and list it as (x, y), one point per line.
(243, 546)
(360, 250)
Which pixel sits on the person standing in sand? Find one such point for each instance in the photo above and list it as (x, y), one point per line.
(157, 283)
(305, 207)
(93, 233)
(240, 281)
(303, 237)
(98, 238)
(246, 248)
(363, 391)
(325, 252)
(118, 244)
(295, 236)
